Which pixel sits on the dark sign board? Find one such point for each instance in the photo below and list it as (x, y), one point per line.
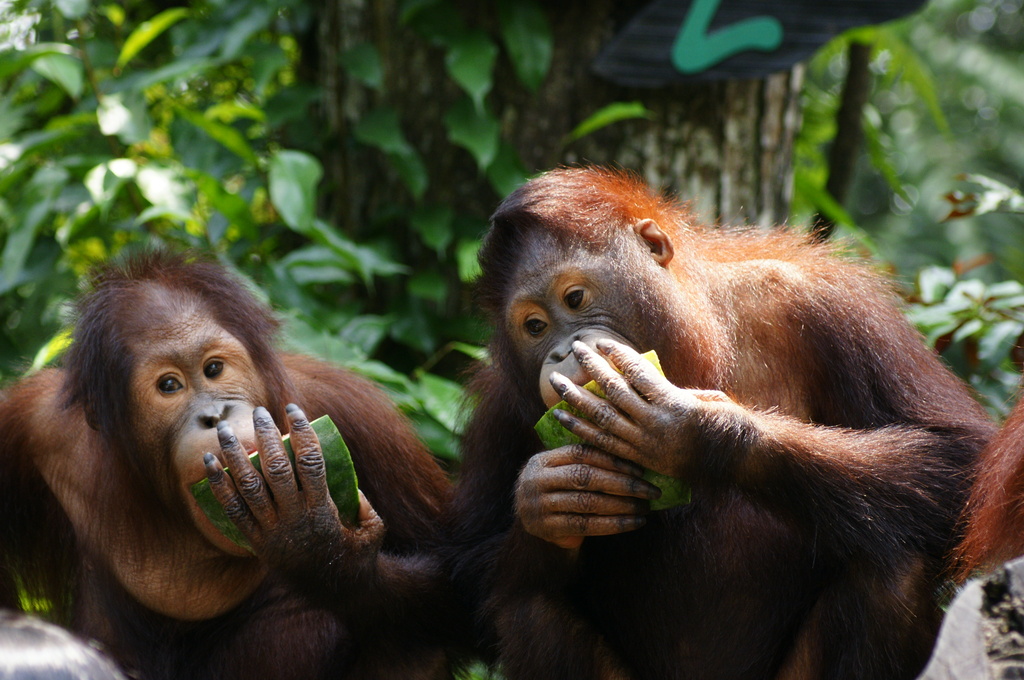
(684, 40)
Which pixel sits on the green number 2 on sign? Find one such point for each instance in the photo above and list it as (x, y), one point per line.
(695, 49)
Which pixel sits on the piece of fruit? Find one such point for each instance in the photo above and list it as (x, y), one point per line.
(673, 491)
(341, 481)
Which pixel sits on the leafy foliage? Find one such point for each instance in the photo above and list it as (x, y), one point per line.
(127, 126)
(978, 328)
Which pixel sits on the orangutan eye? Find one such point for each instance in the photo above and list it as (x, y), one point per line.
(213, 369)
(535, 326)
(169, 385)
(574, 298)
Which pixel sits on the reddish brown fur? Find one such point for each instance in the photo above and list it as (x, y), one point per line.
(810, 551)
(995, 528)
(274, 632)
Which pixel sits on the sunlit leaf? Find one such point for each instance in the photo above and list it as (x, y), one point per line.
(822, 201)
(607, 115)
(53, 348)
(147, 32)
(124, 115)
(466, 256)
(527, 36)
(13, 61)
(969, 328)
(996, 344)
(934, 282)
(293, 180)
(64, 70)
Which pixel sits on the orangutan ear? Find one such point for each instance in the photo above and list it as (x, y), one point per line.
(657, 240)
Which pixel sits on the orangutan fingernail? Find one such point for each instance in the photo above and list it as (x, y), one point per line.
(224, 432)
(260, 413)
(559, 382)
(564, 418)
(291, 408)
(604, 346)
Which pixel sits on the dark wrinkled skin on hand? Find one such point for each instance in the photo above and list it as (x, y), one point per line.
(643, 418)
(287, 513)
(575, 491)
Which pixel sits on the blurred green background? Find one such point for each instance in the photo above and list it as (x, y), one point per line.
(224, 126)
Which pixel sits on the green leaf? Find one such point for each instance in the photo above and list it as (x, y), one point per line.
(36, 205)
(124, 115)
(411, 169)
(969, 328)
(470, 61)
(879, 151)
(934, 282)
(179, 69)
(822, 200)
(72, 9)
(507, 172)
(318, 264)
(380, 128)
(442, 399)
(64, 70)
(14, 61)
(293, 180)
(164, 186)
(997, 343)
(966, 294)
(607, 115)
(435, 20)
(105, 180)
(147, 32)
(476, 131)
(229, 137)
(366, 331)
(231, 206)
(53, 348)
(366, 260)
(527, 36)
(255, 19)
(466, 255)
(362, 62)
(429, 285)
(434, 225)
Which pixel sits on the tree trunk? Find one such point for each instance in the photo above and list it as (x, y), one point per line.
(726, 145)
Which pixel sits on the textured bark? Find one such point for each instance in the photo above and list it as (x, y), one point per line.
(725, 145)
